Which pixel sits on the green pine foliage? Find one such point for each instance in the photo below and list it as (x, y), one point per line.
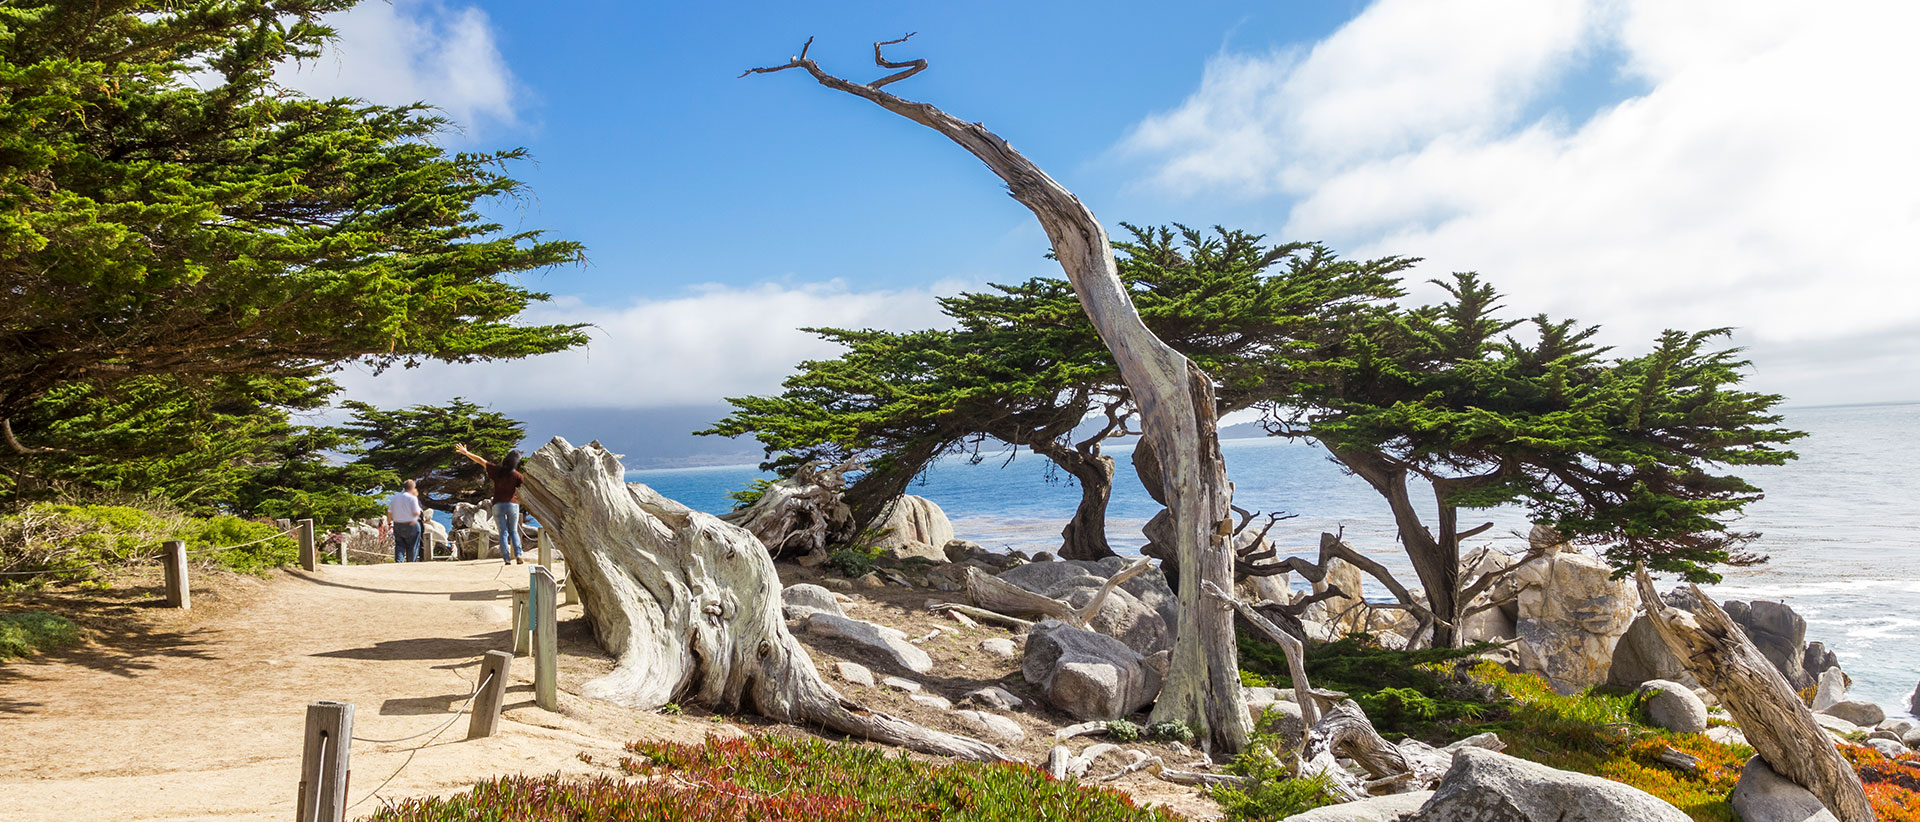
(54, 542)
(173, 221)
(417, 443)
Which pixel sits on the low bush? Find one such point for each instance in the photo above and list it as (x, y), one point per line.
(34, 631)
(68, 543)
(1893, 785)
(1423, 694)
(782, 780)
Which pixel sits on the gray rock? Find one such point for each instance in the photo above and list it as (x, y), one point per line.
(1911, 739)
(1835, 724)
(1142, 612)
(995, 697)
(1888, 748)
(1673, 706)
(1913, 702)
(961, 550)
(1484, 786)
(1764, 796)
(878, 639)
(914, 527)
(1642, 655)
(1818, 659)
(869, 580)
(1390, 808)
(855, 673)
(1572, 615)
(806, 595)
(1727, 735)
(1043, 556)
(1865, 714)
(938, 703)
(899, 683)
(1898, 725)
(1489, 740)
(1282, 719)
(998, 647)
(1088, 675)
(993, 725)
(1779, 633)
(1832, 689)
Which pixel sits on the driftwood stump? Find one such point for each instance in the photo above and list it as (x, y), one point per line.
(690, 605)
(1776, 723)
(799, 515)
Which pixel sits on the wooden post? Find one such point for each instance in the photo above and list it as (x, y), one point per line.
(324, 768)
(284, 523)
(543, 593)
(175, 560)
(309, 558)
(343, 547)
(521, 636)
(546, 550)
(493, 692)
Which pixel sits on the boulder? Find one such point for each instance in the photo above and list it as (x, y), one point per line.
(1832, 689)
(1282, 719)
(855, 673)
(1572, 613)
(1086, 674)
(1390, 808)
(1485, 786)
(998, 647)
(1764, 796)
(1727, 735)
(1494, 624)
(1818, 659)
(1913, 702)
(1779, 633)
(1641, 655)
(1673, 706)
(1835, 725)
(1142, 612)
(878, 639)
(1911, 738)
(936, 702)
(993, 726)
(1864, 714)
(1888, 748)
(1339, 613)
(900, 683)
(803, 600)
(995, 697)
(1899, 726)
(913, 527)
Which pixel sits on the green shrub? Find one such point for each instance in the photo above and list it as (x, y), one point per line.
(1123, 731)
(1171, 731)
(68, 543)
(749, 495)
(1424, 693)
(29, 633)
(852, 561)
(1274, 791)
(783, 780)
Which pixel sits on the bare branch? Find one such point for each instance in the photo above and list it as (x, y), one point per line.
(792, 62)
(1475, 530)
(6, 427)
(912, 67)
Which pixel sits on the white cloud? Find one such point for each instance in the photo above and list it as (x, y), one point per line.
(1765, 178)
(410, 51)
(693, 349)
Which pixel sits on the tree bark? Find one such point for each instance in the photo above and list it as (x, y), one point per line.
(690, 605)
(801, 513)
(1776, 723)
(1174, 397)
(1085, 536)
(1436, 561)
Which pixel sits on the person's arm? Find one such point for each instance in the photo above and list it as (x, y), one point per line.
(461, 449)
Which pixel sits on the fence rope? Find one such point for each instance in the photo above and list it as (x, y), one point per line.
(416, 749)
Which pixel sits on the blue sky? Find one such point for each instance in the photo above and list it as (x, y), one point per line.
(1635, 163)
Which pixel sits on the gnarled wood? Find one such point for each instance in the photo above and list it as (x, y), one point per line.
(1174, 397)
(690, 605)
(1776, 723)
(802, 512)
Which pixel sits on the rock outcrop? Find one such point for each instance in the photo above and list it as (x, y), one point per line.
(877, 639)
(1864, 714)
(914, 527)
(1141, 612)
(1779, 633)
(1390, 808)
(1641, 656)
(1345, 614)
(1494, 624)
(1088, 675)
(1764, 796)
(1832, 689)
(1572, 613)
(1484, 786)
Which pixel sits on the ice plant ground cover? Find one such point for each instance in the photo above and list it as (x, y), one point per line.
(779, 779)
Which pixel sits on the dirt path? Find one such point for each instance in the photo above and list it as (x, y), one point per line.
(198, 715)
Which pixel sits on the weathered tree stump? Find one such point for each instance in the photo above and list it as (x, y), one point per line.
(690, 605)
(799, 515)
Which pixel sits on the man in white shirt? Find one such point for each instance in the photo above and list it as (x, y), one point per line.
(404, 511)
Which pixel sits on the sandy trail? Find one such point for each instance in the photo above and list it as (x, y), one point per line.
(198, 715)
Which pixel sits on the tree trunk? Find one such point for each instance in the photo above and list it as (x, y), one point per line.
(800, 514)
(1085, 536)
(1776, 723)
(1436, 561)
(690, 605)
(1175, 399)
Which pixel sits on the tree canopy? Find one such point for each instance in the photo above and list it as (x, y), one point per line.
(167, 209)
(417, 443)
(1618, 452)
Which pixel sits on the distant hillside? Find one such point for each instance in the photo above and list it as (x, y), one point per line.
(648, 437)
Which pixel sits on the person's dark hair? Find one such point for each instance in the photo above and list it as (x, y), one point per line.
(512, 461)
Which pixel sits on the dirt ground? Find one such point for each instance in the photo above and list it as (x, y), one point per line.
(198, 715)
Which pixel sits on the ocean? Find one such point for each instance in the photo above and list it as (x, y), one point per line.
(1841, 525)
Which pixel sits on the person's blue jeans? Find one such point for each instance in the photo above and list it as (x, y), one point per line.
(507, 516)
(406, 542)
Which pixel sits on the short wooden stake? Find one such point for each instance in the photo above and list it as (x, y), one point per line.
(324, 769)
(493, 693)
(521, 636)
(546, 550)
(175, 560)
(343, 548)
(284, 523)
(309, 558)
(543, 593)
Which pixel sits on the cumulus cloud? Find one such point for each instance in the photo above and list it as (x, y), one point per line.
(409, 51)
(1763, 179)
(691, 349)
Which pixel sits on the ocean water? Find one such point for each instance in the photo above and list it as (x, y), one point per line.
(1841, 525)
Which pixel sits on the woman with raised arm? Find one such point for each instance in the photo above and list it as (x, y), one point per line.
(506, 479)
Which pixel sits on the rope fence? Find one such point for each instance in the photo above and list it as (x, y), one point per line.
(431, 735)
(74, 569)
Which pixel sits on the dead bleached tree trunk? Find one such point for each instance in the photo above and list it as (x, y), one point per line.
(690, 605)
(1175, 399)
(1776, 723)
(802, 513)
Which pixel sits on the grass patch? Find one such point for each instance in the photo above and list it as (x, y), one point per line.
(29, 633)
(783, 780)
(1424, 694)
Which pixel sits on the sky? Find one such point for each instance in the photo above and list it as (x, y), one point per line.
(1639, 164)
